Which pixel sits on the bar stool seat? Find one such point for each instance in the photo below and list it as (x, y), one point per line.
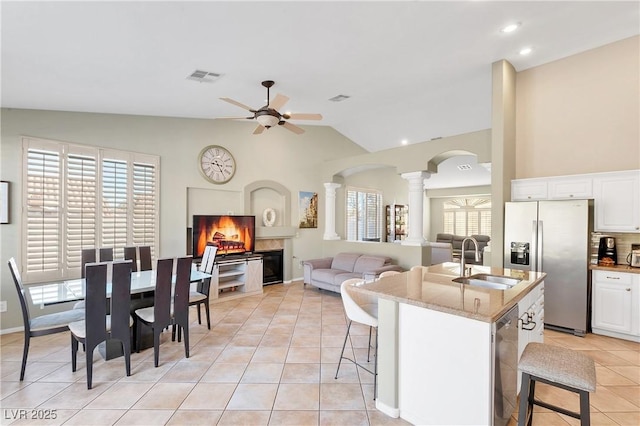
(555, 366)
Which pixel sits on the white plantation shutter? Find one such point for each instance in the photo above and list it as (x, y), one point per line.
(77, 197)
(81, 190)
(144, 205)
(115, 226)
(364, 214)
(43, 212)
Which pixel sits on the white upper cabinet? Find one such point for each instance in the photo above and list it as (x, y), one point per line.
(529, 189)
(566, 188)
(616, 196)
(617, 201)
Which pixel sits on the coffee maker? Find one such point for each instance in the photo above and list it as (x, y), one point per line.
(607, 252)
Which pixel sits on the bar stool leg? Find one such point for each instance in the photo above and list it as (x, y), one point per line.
(585, 416)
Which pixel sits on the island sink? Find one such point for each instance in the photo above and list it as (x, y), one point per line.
(496, 282)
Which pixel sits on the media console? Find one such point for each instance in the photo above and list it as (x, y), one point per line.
(236, 276)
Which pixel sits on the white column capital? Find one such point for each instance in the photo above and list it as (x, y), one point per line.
(331, 186)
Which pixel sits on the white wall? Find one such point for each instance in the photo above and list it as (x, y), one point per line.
(293, 160)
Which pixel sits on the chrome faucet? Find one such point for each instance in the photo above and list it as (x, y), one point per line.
(462, 260)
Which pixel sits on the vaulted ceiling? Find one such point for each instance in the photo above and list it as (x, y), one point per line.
(413, 70)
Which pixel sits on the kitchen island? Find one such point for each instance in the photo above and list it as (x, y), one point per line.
(438, 343)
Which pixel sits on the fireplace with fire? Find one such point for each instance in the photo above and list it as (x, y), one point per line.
(231, 234)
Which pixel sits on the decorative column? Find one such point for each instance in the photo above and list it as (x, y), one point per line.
(330, 211)
(416, 208)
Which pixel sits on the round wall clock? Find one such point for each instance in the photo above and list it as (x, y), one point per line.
(216, 164)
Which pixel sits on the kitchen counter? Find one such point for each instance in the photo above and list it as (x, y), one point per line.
(432, 287)
(615, 268)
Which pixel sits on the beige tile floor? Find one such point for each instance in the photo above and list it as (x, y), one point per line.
(267, 360)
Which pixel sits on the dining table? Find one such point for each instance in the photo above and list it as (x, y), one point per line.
(73, 290)
(143, 284)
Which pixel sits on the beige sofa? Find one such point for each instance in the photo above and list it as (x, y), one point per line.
(328, 273)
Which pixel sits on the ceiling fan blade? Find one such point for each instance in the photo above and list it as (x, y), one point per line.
(236, 103)
(278, 102)
(293, 127)
(236, 118)
(300, 116)
(259, 129)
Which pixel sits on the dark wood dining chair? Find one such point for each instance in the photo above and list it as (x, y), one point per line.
(131, 253)
(106, 254)
(145, 258)
(158, 316)
(180, 312)
(42, 325)
(97, 326)
(200, 296)
(87, 256)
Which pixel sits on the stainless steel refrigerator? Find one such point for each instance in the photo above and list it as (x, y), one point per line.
(553, 237)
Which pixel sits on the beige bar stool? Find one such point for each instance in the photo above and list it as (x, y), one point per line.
(555, 366)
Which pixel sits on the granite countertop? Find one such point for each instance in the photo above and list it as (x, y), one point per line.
(615, 268)
(431, 287)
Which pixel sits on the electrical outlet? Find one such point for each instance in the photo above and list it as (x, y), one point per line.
(3, 306)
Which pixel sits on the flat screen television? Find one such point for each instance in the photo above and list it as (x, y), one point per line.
(230, 234)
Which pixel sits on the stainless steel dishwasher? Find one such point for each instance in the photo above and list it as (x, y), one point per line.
(505, 367)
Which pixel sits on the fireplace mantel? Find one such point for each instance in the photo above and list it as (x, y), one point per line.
(271, 232)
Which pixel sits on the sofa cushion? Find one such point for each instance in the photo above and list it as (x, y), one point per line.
(345, 261)
(327, 275)
(339, 278)
(368, 263)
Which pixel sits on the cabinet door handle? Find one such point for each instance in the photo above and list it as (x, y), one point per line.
(613, 278)
(628, 289)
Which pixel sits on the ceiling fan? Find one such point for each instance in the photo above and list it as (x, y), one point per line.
(269, 116)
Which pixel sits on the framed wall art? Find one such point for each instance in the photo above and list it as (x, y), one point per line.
(308, 203)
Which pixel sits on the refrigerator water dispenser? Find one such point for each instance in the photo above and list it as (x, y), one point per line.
(519, 253)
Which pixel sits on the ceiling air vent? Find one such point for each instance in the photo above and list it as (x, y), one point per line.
(339, 98)
(204, 76)
(464, 166)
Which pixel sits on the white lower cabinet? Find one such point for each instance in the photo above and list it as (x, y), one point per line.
(531, 322)
(616, 304)
(234, 278)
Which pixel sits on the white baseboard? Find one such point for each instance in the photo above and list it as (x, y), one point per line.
(389, 411)
(11, 330)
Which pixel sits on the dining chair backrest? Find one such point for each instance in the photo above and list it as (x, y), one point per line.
(106, 254)
(205, 257)
(121, 300)
(145, 258)
(162, 295)
(95, 303)
(211, 260)
(183, 281)
(22, 294)
(87, 256)
(130, 253)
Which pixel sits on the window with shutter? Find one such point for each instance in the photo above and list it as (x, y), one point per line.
(144, 205)
(43, 212)
(81, 189)
(78, 197)
(467, 216)
(115, 226)
(364, 214)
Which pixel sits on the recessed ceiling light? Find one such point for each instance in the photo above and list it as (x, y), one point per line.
(404, 141)
(525, 51)
(510, 28)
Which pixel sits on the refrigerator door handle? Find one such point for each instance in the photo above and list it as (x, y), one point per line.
(539, 247)
(534, 246)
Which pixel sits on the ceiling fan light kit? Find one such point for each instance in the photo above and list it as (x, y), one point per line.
(269, 116)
